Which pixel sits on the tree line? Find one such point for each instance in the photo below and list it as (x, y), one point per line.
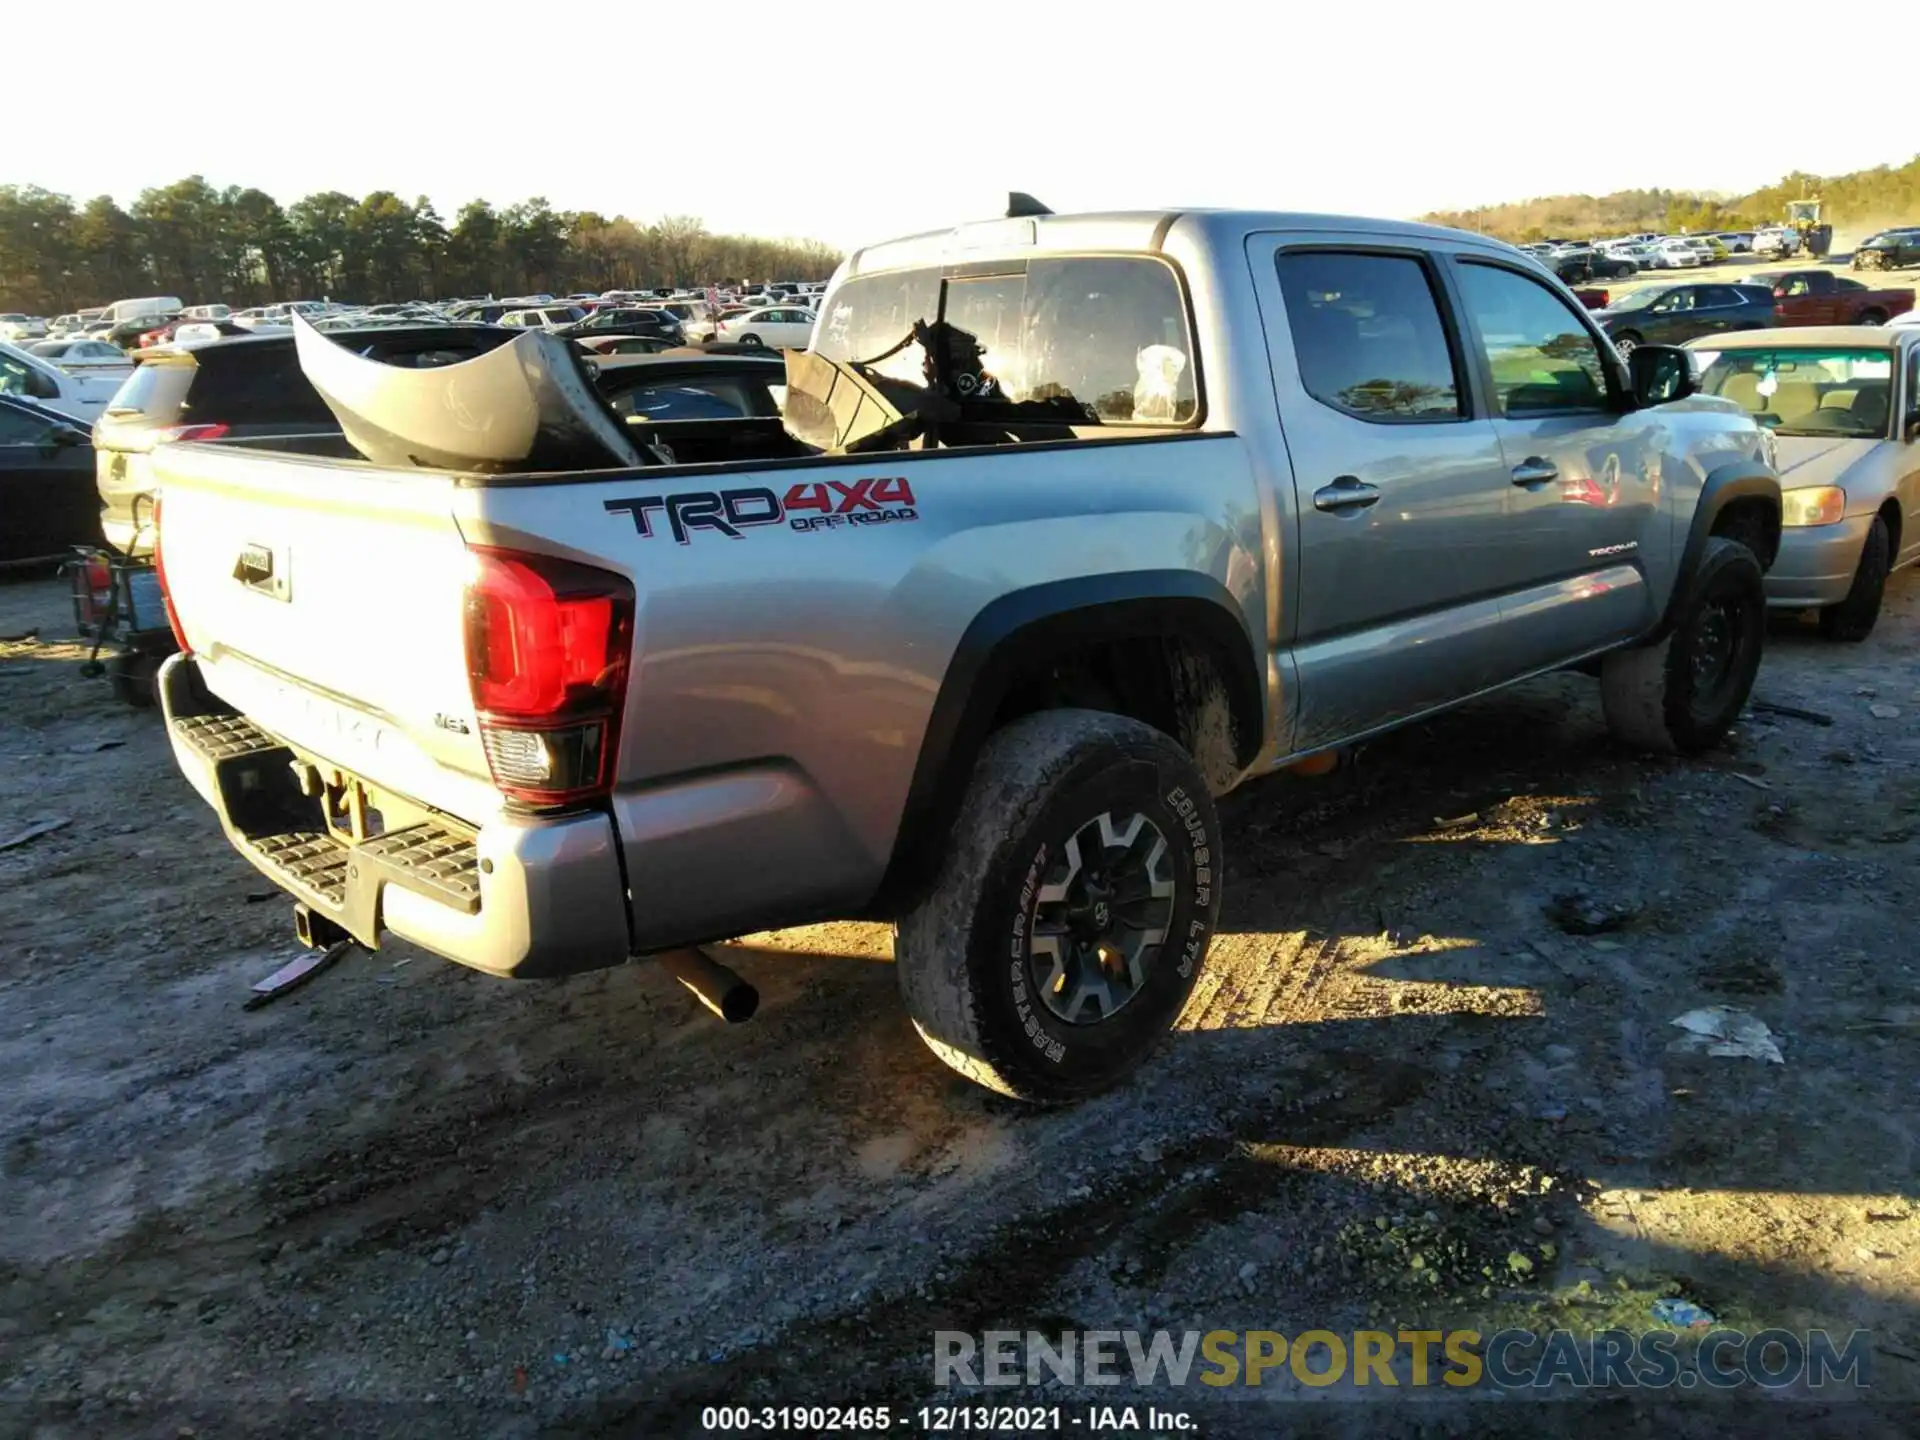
(241, 246)
(1862, 201)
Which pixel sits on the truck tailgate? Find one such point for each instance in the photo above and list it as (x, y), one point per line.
(347, 577)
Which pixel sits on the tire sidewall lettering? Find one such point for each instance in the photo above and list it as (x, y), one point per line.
(1184, 824)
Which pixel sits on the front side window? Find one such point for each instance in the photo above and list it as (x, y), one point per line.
(1541, 356)
(1806, 390)
(1368, 336)
(1086, 340)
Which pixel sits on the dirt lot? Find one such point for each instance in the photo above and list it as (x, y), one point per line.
(585, 1207)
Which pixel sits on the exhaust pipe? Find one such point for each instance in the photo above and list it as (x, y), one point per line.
(713, 984)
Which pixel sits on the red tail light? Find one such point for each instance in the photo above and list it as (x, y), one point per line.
(547, 647)
(190, 432)
(166, 595)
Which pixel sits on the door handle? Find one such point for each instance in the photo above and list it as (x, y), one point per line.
(1535, 471)
(1345, 493)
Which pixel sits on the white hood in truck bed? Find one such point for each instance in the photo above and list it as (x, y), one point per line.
(525, 405)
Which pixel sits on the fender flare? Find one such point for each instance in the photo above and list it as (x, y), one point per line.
(1737, 480)
(1033, 623)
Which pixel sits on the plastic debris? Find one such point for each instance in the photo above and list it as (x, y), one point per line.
(1792, 712)
(34, 832)
(1684, 1313)
(294, 974)
(1753, 780)
(1884, 712)
(1723, 1031)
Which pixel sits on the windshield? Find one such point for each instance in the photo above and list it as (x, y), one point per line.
(1810, 390)
(1640, 299)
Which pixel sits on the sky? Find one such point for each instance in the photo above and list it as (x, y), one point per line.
(851, 122)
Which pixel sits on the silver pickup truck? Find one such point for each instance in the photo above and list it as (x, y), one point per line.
(1192, 497)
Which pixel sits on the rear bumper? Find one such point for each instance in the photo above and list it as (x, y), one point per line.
(1816, 563)
(519, 896)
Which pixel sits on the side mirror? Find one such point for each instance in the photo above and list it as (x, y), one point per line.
(42, 386)
(1660, 374)
(66, 437)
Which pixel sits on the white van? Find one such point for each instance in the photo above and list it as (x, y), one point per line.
(122, 310)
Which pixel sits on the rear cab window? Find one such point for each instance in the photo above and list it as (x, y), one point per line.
(1080, 340)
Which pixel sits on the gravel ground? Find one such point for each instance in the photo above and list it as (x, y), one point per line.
(410, 1199)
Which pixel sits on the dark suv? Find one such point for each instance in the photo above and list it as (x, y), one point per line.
(1675, 314)
(1889, 250)
(246, 386)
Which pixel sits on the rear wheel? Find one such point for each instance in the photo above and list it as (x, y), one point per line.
(1871, 317)
(1854, 617)
(1682, 693)
(1072, 910)
(1625, 342)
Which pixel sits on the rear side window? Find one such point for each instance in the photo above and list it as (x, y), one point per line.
(1088, 339)
(156, 391)
(1368, 335)
(1542, 358)
(254, 384)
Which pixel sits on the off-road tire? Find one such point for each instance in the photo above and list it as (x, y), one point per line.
(963, 951)
(1853, 618)
(1652, 695)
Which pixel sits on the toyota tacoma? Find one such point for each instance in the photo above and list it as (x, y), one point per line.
(1071, 524)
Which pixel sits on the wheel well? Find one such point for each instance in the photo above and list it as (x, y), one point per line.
(1890, 512)
(1170, 650)
(1181, 685)
(1755, 523)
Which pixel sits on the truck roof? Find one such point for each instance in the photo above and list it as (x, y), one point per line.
(1860, 337)
(1129, 230)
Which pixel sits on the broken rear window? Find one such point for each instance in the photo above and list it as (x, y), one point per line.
(1095, 340)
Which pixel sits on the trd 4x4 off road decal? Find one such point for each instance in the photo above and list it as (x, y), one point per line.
(822, 505)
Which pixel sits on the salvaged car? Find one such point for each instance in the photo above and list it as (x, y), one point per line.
(1889, 250)
(1066, 526)
(1843, 405)
(1820, 297)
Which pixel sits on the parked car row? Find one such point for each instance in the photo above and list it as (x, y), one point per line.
(1673, 314)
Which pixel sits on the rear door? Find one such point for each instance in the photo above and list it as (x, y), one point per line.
(1401, 482)
(47, 499)
(1583, 505)
(1719, 309)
